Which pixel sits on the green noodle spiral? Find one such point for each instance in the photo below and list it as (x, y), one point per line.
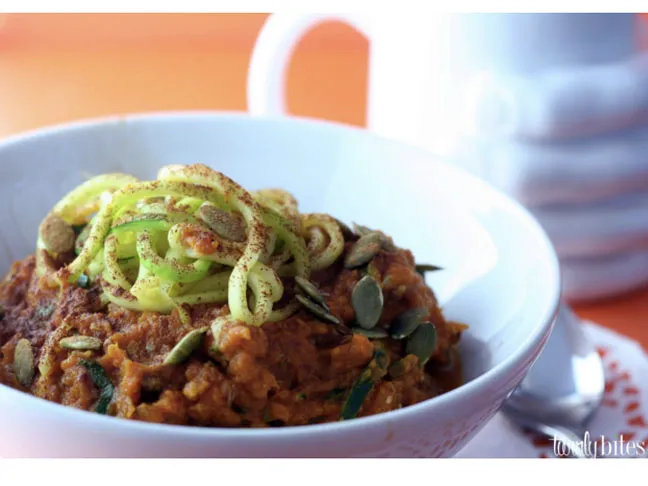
(148, 246)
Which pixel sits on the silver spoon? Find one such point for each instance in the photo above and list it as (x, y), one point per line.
(563, 388)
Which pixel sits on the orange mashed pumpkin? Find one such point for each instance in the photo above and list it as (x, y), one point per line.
(293, 372)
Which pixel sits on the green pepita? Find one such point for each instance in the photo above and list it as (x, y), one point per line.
(347, 232)
(98, 377)
(57, 236)
(367, 301)
(361, 230)
(372, 374)
(386, 242)
(422, 342)
(81, 343)
(317, 310)
(23, 365)
(222, 222)
(187, 345)
(382, 362)
(422, 268)
(362, 251)
(406, 323)
(375, 333)
(309, 290)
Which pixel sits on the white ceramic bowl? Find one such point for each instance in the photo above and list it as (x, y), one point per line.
(501, 274)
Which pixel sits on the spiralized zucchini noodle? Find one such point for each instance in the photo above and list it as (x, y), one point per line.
(192, 236)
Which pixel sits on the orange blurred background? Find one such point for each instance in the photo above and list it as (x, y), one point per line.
(57, 67)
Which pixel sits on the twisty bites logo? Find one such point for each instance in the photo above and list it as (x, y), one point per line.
(599, 447)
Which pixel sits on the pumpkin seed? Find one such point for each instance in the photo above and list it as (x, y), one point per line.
(372, 374)
(311, 291)
(362, 251)
(23, 365)
(361, 230)
(382, 360)
(98, 377)
(375, 333)
(406, 323)
(397, 369)
(344, 331)
(385, 241)
(222, 222)
(422, 268)
(422, 342)
(347, 232)
(82, 343)
(367, 301)
(187, 345)
(317, 310)
(56, 234)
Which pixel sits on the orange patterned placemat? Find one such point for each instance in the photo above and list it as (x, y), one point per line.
(618, 429)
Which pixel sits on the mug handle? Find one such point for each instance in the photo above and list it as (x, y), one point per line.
(272, 51)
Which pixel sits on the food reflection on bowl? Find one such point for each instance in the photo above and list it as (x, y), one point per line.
(189, 300)
(179, 327)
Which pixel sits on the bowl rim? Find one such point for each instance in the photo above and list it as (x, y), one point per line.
(536, 338)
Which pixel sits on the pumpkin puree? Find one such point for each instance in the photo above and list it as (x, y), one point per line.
(293, 372)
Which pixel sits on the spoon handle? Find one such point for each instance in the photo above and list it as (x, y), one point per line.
(566, 440)
(571, 441)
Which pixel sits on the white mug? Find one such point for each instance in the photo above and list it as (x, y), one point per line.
(435, 78)
(551, 108)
